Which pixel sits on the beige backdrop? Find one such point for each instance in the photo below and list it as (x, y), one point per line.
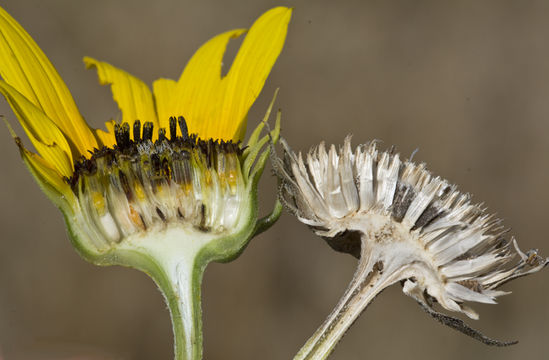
(465, 83)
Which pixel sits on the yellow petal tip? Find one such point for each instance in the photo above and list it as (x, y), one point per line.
(89, 62)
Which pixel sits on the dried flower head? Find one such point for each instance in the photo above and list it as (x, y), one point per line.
(405, 225)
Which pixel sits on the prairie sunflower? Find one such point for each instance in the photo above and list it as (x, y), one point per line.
(170, 188)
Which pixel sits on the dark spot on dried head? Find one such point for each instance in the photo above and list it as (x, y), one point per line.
(402, 200)
(347, 241)
(429, 214)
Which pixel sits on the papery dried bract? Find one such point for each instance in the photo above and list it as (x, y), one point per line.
(398, 218)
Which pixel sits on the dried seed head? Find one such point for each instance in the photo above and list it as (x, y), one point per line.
(395, 213)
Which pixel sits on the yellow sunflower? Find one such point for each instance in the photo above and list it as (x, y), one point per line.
(168, 189)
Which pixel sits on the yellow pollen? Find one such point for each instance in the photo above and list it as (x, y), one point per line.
(208, 177)
(136, 219)
(98, 202)
(159, 189)
(139, 192)
(187, 187)
(232, 178)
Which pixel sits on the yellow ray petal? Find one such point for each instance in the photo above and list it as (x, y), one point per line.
(164, 91)
(217, 107)
(25, 67)
(43, 133)
(199, 88)
(106, 138)
(250, 68)
(55, 157)
(130, 93)
(47, 176)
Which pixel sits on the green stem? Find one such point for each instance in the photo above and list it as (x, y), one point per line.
(171, 259)
(184, 302)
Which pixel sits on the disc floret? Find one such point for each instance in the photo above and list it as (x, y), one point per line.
(139, 185)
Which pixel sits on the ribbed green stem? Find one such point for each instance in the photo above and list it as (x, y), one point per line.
(180, 282)
(182, 294)
(171, 258)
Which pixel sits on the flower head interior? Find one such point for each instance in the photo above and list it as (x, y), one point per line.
(405, 225)
(169, 188)
(175, 156)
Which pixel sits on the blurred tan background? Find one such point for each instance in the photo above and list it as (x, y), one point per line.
(467, 83)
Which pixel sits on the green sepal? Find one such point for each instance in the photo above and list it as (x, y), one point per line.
(267, 221)
(254, 137)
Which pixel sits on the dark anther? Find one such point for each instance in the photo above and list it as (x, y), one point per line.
(125, 135)
(118, 134)
(148, 131)
(143, 221)
(183, 127)
(137, 131)
(122, 135)
(161, 214)
(210, 152)
(173, 128)
(125, 184)
(161, 135)
(166, 169)
(155, 163)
